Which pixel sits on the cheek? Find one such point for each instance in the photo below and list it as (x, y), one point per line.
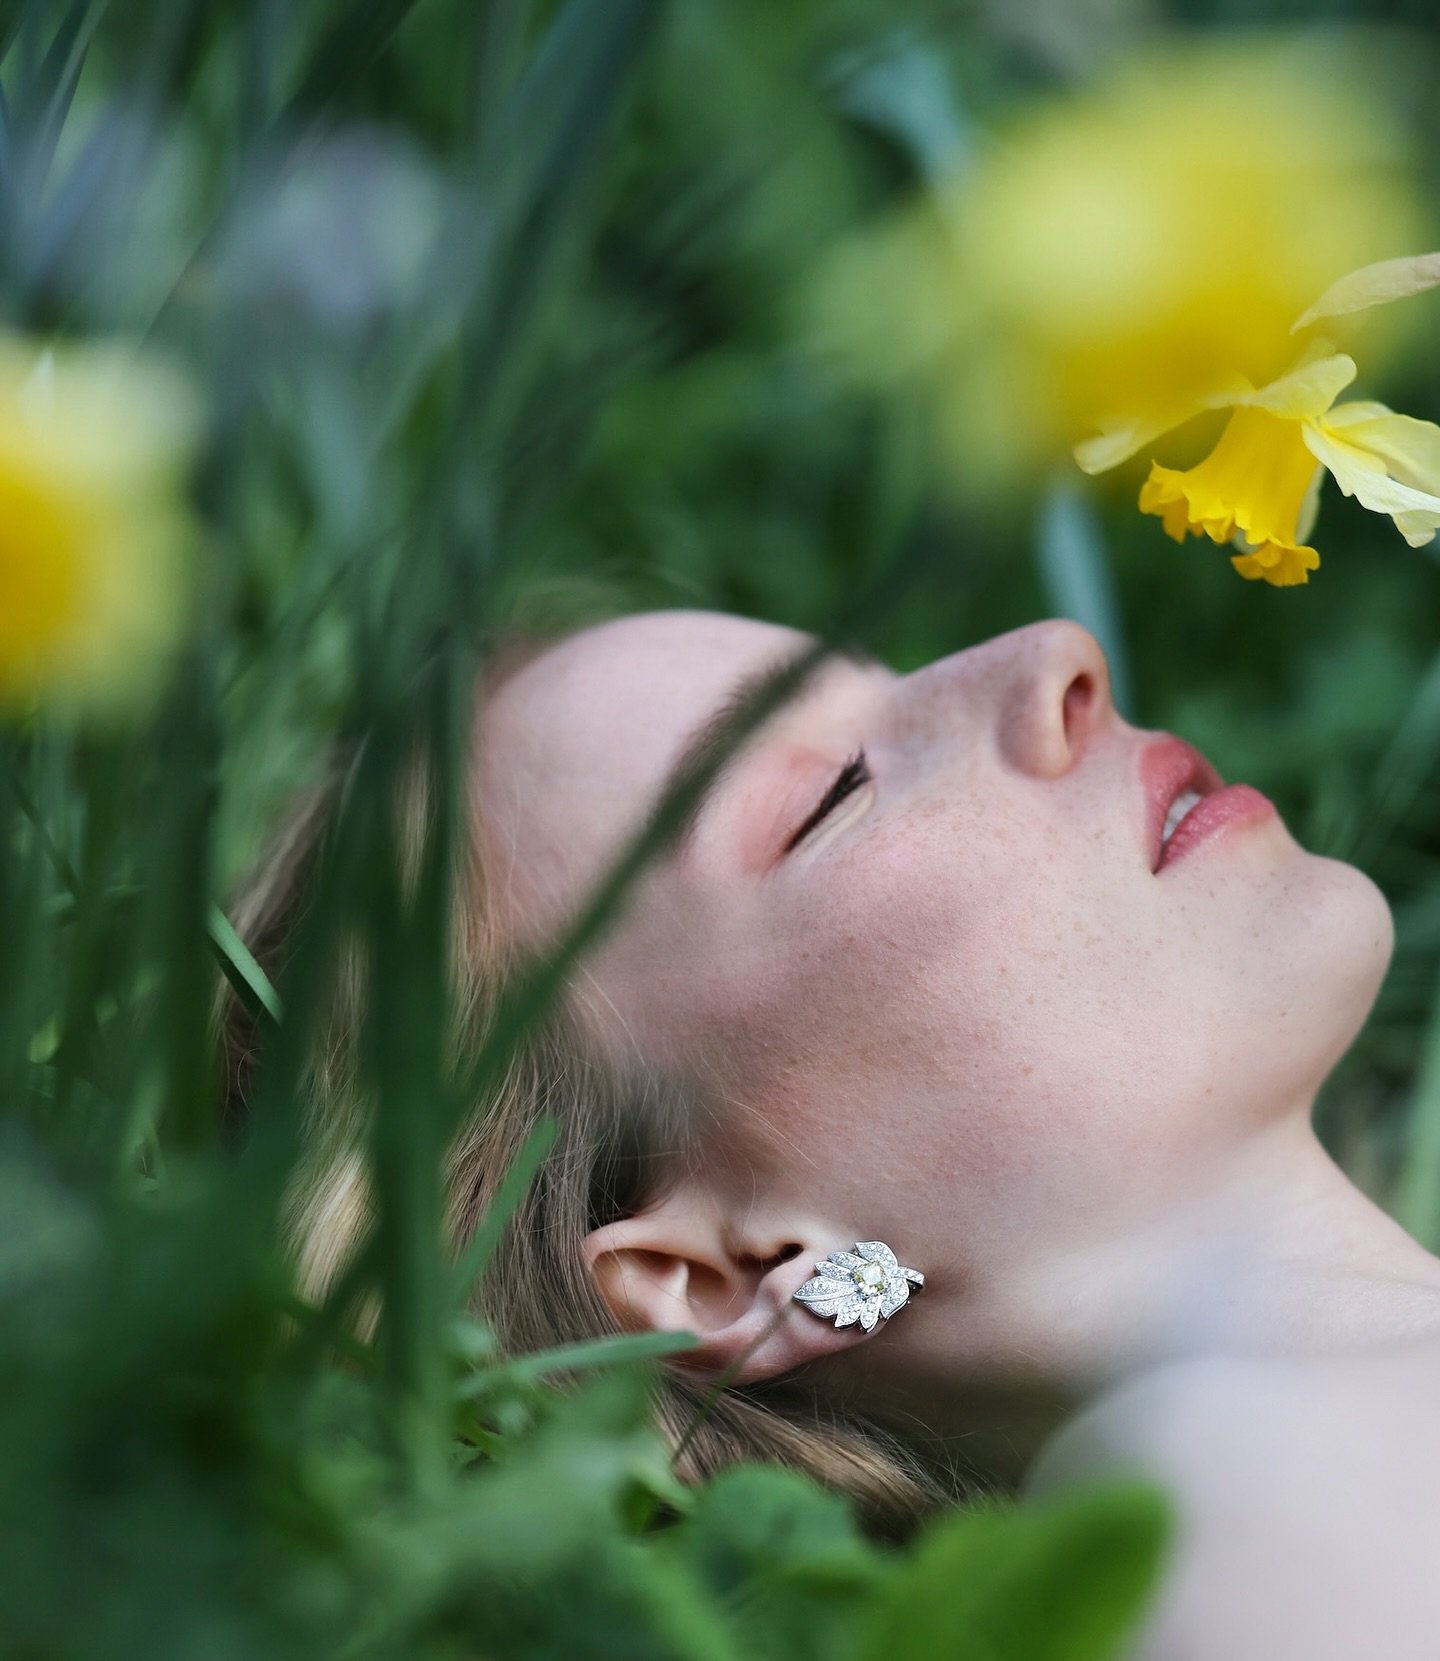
(1033, 1006)
(953, 956)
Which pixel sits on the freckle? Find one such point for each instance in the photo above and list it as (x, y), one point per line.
(1026, 1071)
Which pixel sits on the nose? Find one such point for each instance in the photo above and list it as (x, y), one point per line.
(1054, 695)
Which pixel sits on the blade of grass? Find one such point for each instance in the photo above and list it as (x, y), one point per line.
(547, 146)
(720, 1385)
(1075, 568)
(47, 102)
(22, 891)
(322, 1332)
(179, 902)
(584, 1357)
(359, 34)
(409, 952)
(513, 1187)
(1418, 1198)
(237, 963)
(1398, 777)
(357, 37)
(274, 1126)
(86, 959)
(537, 989)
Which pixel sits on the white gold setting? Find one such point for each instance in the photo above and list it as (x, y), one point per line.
(862, 1285)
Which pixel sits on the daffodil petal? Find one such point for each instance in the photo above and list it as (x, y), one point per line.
(95, 573)
(1119, 441)
(1167, 494)
(1277, 563)
(1102, 451)
(1257, 480)
(1409, 448)
(1306, 390)
(1373, 285)
(1363, 473)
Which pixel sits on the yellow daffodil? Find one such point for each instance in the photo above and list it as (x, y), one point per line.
(1259, 486)
(93, 531)
(1112, 260)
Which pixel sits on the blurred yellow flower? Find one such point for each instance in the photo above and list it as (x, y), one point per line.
(1259, 486)
(1124, 256)
(93, 528)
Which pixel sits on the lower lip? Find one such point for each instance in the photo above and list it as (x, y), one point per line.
(1222, 810)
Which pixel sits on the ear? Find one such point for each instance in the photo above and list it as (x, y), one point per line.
(677, 1268)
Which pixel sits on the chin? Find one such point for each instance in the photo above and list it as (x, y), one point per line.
(1343, 951)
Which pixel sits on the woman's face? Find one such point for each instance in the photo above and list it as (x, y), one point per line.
(963, 1007)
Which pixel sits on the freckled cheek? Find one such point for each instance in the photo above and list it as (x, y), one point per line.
(971, 952)
(942, 883)
(880, 944)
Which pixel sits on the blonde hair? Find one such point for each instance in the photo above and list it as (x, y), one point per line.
(622, 1132)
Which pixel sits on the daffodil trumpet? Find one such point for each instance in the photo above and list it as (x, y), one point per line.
(1258, 488)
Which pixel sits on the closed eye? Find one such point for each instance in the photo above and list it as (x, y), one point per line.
(851, 776)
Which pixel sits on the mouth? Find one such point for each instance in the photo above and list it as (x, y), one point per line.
(1186, 801)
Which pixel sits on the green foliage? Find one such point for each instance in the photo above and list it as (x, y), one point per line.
(1057, 1584)
(184, 1475)
(495, 309)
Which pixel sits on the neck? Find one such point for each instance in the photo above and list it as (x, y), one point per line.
(1275, 1254)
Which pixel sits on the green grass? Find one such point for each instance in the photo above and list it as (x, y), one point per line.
(493, 308)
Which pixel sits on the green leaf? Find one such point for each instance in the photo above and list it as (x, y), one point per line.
(787, 1560)
(1066, 1580)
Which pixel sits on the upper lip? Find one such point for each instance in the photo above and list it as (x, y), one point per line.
(1169, 767)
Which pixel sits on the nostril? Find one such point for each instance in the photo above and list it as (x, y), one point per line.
(1079, 700)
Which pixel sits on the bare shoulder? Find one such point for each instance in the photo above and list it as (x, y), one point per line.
(1366, 1410)
(1307, 1500)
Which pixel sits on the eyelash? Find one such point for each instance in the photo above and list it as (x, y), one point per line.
(851, 776)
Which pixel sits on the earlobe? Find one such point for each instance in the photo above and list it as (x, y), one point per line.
(672, 1269)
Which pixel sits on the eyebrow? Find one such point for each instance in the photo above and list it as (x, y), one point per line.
(711, 752)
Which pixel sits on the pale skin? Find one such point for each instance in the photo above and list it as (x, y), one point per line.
(965, 1015)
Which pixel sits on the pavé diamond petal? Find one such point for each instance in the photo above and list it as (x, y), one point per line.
(825, 1286)
(895, 1296)
(866, 1285)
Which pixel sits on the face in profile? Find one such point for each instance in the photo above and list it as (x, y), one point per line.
(958, 952)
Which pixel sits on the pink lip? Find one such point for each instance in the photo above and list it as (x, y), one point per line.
(1168, 768)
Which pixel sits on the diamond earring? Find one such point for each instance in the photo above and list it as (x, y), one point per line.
(860, 1285)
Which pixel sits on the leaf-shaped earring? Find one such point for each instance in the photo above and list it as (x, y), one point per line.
(860, 1285)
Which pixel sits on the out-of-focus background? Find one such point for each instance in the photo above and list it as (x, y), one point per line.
(346, 334)
(309, 206)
